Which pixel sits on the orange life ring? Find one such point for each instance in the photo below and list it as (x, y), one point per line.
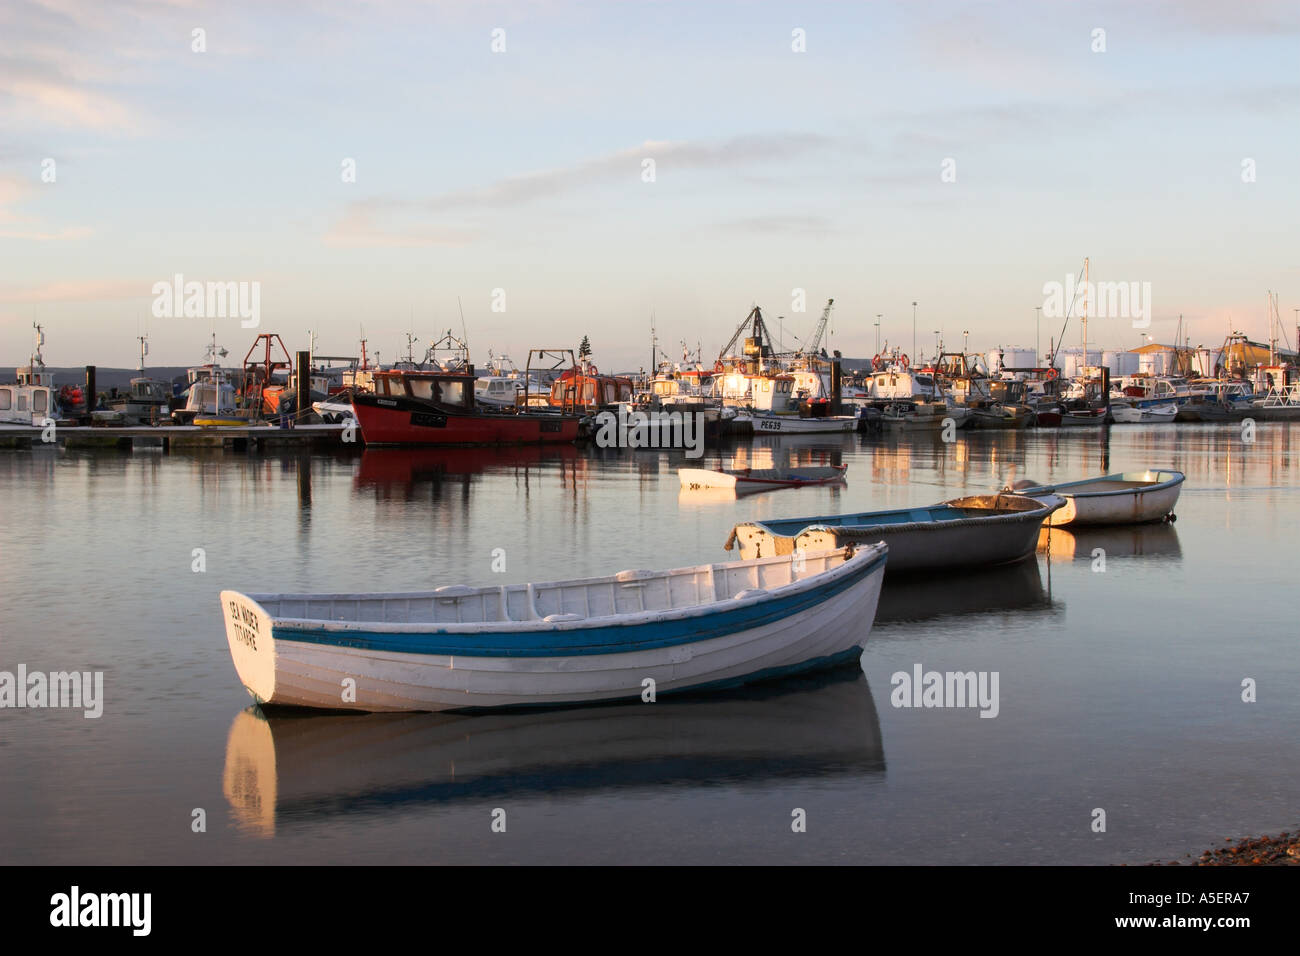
(905, 361)
(592, 370)
(1051, 374)
(875, 361)
(717, 366)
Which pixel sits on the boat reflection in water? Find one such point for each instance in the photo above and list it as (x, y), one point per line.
(925, 596)
(1142, 540)
(289, 768)
(403, 469)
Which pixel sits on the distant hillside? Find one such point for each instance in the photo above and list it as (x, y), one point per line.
(105, 378)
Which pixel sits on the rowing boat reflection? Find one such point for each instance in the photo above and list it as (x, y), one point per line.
(1134, 541)
(926, 596)
(291, 769)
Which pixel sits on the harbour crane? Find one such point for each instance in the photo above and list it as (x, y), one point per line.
(756, 343)
(815, 342)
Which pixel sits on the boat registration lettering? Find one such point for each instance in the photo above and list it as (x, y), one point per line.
(428, 420)
(244, 624)
(769, 424)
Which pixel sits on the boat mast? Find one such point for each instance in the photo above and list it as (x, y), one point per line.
(1084, 314)
(1272, 328)
(36, 358)
(654, 348)
(144, 349)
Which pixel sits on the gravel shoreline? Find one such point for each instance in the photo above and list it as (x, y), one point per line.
(1281, 850)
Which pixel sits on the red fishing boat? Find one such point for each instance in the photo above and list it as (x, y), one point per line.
(437, 407)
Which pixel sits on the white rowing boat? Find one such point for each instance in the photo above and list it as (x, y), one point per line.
(1125, 414)
(1133, 497)
(566, 642)
(748, 480)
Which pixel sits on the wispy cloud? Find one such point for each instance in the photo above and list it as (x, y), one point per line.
(368, 221)
(81, 290)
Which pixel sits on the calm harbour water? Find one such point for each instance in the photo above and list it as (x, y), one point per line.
(1119, 690)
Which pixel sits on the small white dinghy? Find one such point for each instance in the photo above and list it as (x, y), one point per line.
(1143, 415)
(745, 481)
(567, 642)
(1134, 497)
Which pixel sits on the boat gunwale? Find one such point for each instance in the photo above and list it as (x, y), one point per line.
(934, 525)
(1063, 489)
(864, 560)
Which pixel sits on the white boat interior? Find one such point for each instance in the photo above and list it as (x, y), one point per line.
(624, 593)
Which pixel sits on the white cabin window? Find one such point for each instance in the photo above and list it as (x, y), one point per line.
(22, 402)
(452, 393)
(421, 388)
(38, 401)
(6, 399)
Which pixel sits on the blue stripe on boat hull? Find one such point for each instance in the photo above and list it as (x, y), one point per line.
(578, 641)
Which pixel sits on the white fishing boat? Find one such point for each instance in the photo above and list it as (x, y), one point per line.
(31, 400)
(1126, 414)
(973, 532)
(1133, 497)
(794, 425)
(566, 642)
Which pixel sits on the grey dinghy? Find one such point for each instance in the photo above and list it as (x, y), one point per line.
(973, 532)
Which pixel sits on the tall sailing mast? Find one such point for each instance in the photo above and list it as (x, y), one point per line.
(1084, 314)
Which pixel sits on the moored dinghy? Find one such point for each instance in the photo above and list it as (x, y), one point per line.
(1129, 414)
(566, 642)
(1133, 497)
(977, 531)
(747, 480)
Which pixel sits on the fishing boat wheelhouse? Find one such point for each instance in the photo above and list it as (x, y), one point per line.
(586, 388)
(30, 400)
(438, 407)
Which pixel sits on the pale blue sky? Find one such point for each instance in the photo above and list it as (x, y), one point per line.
(522, 170)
